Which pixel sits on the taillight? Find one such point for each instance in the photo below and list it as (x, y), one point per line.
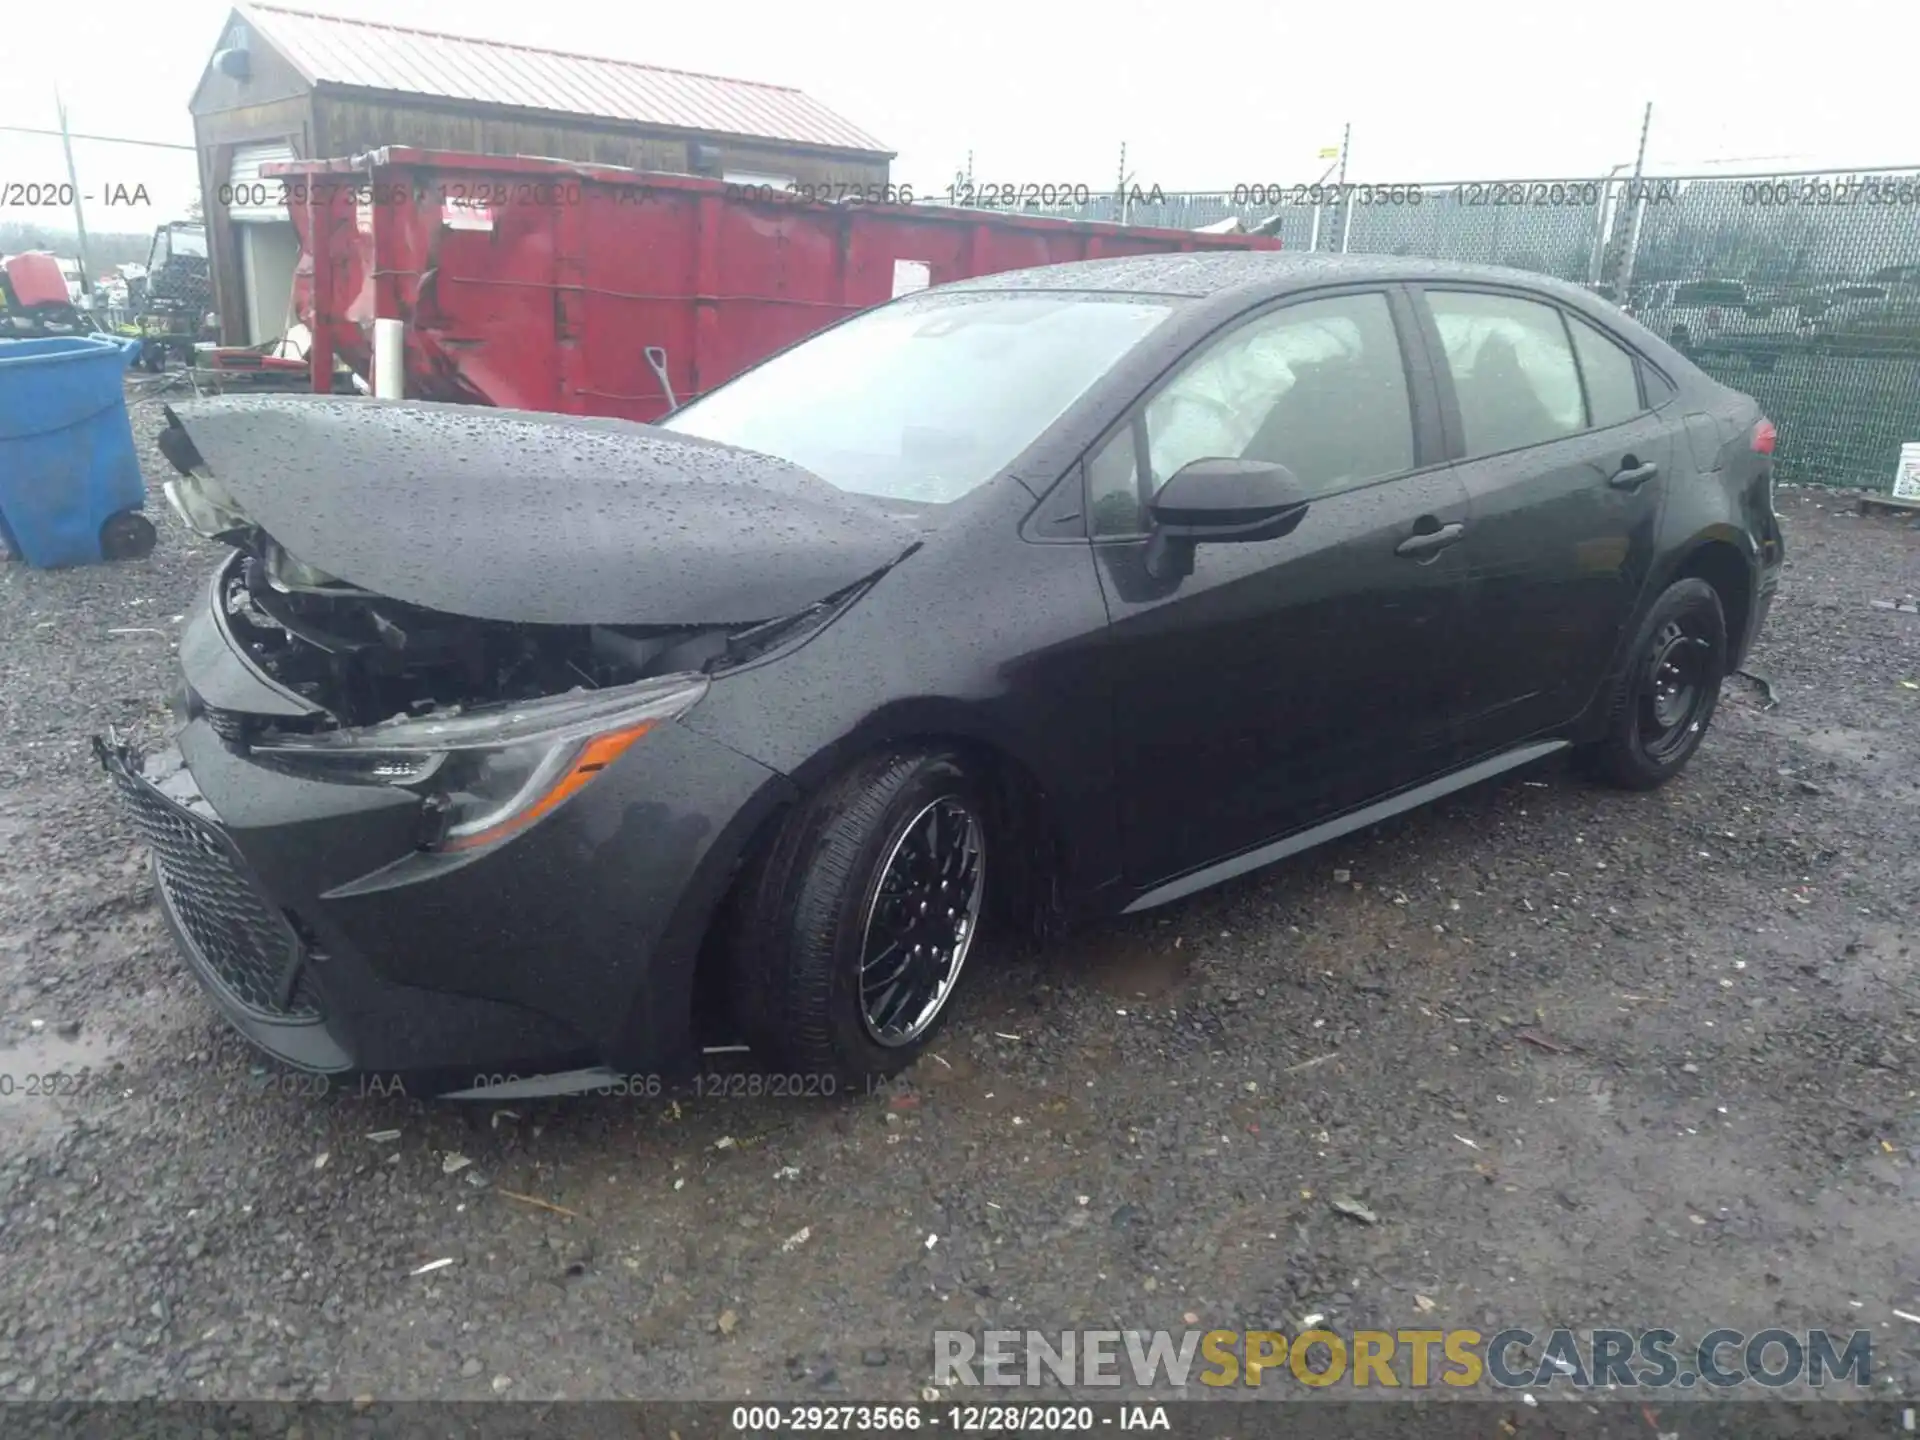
(1763, 436)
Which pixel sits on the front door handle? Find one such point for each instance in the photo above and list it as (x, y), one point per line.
(1632, 476)
(1430, 542)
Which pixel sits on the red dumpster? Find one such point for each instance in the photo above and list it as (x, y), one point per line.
(545, 285)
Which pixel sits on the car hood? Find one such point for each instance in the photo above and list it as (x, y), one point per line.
(531, 518)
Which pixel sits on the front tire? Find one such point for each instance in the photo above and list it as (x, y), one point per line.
(1666, 700)
(849, 935)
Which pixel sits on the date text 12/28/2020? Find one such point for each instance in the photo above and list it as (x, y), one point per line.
(734, 1085)
(709, 1085)
(1575, 193)
(959, 1419)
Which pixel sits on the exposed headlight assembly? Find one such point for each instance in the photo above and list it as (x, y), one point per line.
(204, 505)
(288, 575)
(490, 773)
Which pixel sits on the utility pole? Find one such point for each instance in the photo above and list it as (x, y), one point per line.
(1120, 190)
(79, 215)
(1639, 207)
(1605, 209)
(1340, 186)
(1640, 156)
(1319, 206)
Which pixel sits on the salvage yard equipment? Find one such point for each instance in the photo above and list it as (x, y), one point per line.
(226, 368)
(35, 302)
(70, 484)
(172, 301)
(591, 290)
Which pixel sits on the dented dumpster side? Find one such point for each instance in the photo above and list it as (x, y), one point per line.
(544, 285)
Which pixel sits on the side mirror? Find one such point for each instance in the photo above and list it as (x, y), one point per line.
(1220, 501)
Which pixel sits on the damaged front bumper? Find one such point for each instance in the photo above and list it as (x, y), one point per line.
(248, 955)
(330, 937)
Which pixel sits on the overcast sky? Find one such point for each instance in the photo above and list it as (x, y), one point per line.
(1490, 90)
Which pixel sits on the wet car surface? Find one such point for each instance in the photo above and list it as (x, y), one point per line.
(519, 745)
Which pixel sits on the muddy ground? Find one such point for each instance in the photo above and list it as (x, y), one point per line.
(1588, 1058)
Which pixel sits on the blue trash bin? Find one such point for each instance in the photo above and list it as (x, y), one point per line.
(70, 486)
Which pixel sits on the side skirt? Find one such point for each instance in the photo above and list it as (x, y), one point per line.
(1343, 825)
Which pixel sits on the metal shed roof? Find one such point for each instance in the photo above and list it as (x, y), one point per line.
(366, 54)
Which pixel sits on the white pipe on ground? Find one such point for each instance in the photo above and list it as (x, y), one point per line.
(389, 359)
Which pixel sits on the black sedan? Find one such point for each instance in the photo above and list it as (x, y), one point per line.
(525, 745)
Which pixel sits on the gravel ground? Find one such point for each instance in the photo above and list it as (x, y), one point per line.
(1588, 1058)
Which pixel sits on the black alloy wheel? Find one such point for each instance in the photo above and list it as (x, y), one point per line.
(846, 938)
(921, 922)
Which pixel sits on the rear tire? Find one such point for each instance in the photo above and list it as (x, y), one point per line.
(848, 937)
(1665, 701)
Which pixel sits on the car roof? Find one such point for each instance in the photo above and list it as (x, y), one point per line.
(1220, 283)
(1215, 273)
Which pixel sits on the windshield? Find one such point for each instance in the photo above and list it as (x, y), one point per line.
(190, 243)
(928, 398)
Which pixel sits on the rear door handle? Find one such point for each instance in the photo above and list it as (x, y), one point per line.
(1634, 477)
(1431, 541)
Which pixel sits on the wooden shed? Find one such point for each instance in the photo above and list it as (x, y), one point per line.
(294, 84)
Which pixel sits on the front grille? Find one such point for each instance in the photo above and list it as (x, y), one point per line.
(230, 725)
(252, 951)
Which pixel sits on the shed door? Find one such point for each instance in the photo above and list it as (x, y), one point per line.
(255, 197)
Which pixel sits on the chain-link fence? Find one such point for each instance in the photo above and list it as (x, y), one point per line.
(1801, 289)
(1804, 291)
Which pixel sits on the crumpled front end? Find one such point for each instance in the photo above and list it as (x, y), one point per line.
(391, 837)
(512, 902)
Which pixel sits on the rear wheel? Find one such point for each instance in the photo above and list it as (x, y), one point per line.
(848, 937)
(1666, 700)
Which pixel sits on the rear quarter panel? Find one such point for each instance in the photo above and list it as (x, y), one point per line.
(1716, 489)
(1719, 494)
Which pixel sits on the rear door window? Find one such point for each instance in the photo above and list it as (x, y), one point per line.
(1613, 386)
(1513, 369)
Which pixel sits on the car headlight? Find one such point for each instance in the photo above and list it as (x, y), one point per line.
(490, 773)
